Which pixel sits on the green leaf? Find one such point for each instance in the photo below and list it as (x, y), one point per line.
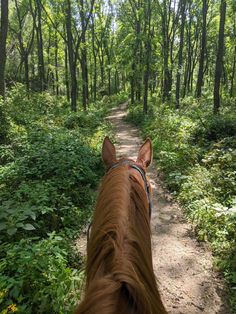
(2, 226)
(33, 215)
(234, 277)
(28, 227)
(19, 225)
(11, 231)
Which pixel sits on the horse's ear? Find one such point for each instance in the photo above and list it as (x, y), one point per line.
(145, 153)
(108, 152)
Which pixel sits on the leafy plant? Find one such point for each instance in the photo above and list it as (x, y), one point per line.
(36, 277)
(49, 170)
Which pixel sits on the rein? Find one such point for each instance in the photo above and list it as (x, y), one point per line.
(146, 184)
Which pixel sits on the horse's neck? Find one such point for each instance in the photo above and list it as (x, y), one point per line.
(110, 223)
(120, 277)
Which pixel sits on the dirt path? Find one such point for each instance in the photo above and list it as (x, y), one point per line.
(184, 268)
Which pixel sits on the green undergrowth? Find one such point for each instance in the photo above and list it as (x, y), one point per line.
(50, 166)
(196, 152)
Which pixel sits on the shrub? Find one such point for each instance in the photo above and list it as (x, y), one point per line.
(49, 169)
(50, 184)
(36, 277)
(215, 128)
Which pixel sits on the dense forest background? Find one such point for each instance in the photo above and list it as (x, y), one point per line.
(63, 64)
(83, 49)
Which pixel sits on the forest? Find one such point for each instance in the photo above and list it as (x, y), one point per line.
(63, 65)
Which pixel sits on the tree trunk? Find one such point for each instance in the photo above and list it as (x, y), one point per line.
(84, 65)
(26, 66)
(233, 74)
(188, 64)
(180, 56)
(3, 39)
(148, 47)
(234, 62)
(219, 59)
(56, 64)
(41, 70)
(94, 61)
(116, 81)
(167, 77)
(67, 75)
(101, 60)
(203, 50)
(50, 76)
(132, 83)
(72, 62)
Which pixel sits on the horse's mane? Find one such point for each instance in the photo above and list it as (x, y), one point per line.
(119, 270)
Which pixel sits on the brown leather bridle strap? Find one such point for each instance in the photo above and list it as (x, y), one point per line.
(143, 175)
(146, 184)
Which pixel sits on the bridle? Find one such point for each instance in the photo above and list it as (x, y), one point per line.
(143, 175)
(132, 165)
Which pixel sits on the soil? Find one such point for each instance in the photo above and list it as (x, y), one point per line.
(187, 279)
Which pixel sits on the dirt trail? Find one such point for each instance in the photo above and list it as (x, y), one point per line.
(183, 267)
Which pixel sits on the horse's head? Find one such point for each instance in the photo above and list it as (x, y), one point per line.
(120, 277)
(136, 168)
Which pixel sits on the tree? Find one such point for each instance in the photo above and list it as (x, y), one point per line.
(203, 49)
(3, 39)
(24, 45)
(169, 13)
(83, 60)
(71, 57)
(233, 68)
(38, 26)
(180, 54)
(219, 59)
(148, 47)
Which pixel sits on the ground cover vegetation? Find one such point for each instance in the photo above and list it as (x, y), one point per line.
(62, 64)
(50, 167)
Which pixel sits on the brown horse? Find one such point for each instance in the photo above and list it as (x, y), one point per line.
(120, 277)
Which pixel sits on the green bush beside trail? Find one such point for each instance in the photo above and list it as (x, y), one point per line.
(50, 166)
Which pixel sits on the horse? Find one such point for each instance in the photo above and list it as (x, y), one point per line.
(119, 270)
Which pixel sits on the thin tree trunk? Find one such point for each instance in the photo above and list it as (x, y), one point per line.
(180, 56)
(203, 49)
(189, 55)
(67, 75)
(234, 62)
(49, 76)
(233, 74)
(26, 66)
(56, 64)
(40, 48)
(101, 59)
(3, 39)
(72, 62)
(148, 48)
(166, 82)
(94, 61)
(219, 59)
(116, 81)
(84, 66)
(132, 83)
